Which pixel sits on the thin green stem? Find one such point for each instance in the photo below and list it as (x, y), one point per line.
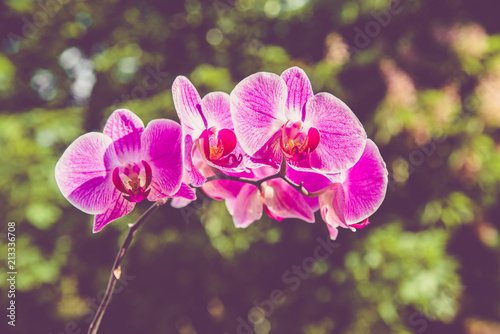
(116, 270)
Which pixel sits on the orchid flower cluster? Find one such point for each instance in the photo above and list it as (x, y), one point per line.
(271, 145)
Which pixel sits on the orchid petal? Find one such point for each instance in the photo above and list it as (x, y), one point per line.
(282, 201)
(125, 129)
(118, 208)
(217, 110)
(83, 173)
(365, 185)
(311, 181)
(247, 207)
(342, 135)
(333, 232)
(162, 149)
(187, 103)
(333, 206)
(185, 192)
(258, 112)
(299, 91)
(197, 179)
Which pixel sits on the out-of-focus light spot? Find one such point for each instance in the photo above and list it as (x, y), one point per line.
(84, 19)
(69, 58)
(44, 83)
(488, 234)
(272, 8)
(295, 4)
(215, 308)
(128, 65)
(263, 328)
(245, 5)
(82, 70)
(256, 315)
(337, 50)
(214, 36)
(349, 12)
(185, 326)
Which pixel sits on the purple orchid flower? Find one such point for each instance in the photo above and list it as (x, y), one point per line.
(245, 202)
(105, 174)
(276, 116)
(206, 126)
(356, 193)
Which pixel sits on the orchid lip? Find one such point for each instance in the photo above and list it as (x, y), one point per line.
(217, 146)
(128, 181)
(296, 143)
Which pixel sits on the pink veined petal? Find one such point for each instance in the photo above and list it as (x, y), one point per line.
(217, 110)
(83, 173)
(125, 129)
(196, 177)
(258, 112)
(180, 202)
(333, 232)
(186, 192)
(247, 207)
(187, 103)
(282, 201)
(343, 138)
(332, 205)
(299, 91)
(118, 208)
(269, 154)
(365, 185)
(312, 181)
(162, 149)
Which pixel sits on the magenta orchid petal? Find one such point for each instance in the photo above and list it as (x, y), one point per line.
(365, 185)
(180, 202)
(162, 149)
(196, 177)
(334, 232)
(83, 173)
(217, 110)
(258, 112)
(247, 207)
(187, 103)
(269, 154)
(125, 129)
(311, 181)
(342, 137)
(332, 206)
(282, 201)
(185, 192)
(299, 91)
(118, 208)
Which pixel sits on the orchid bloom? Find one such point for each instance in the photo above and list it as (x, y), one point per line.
(357, 193)
(245, 202)
(276, 116)
(105, 174)
(206, 126)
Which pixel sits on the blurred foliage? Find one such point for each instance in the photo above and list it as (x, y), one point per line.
(422, 76)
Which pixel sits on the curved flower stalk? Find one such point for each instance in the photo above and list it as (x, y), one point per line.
(358, 193)
(105, 174)
(276, 116)
(208, 128)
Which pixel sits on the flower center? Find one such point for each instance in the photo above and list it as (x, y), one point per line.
(133, 181)
(217, 146)
(296, 143)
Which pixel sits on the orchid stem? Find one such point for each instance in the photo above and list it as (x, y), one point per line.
(299, 187)
(116, 270)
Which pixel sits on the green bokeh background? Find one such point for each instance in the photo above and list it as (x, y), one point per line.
(424, 80)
